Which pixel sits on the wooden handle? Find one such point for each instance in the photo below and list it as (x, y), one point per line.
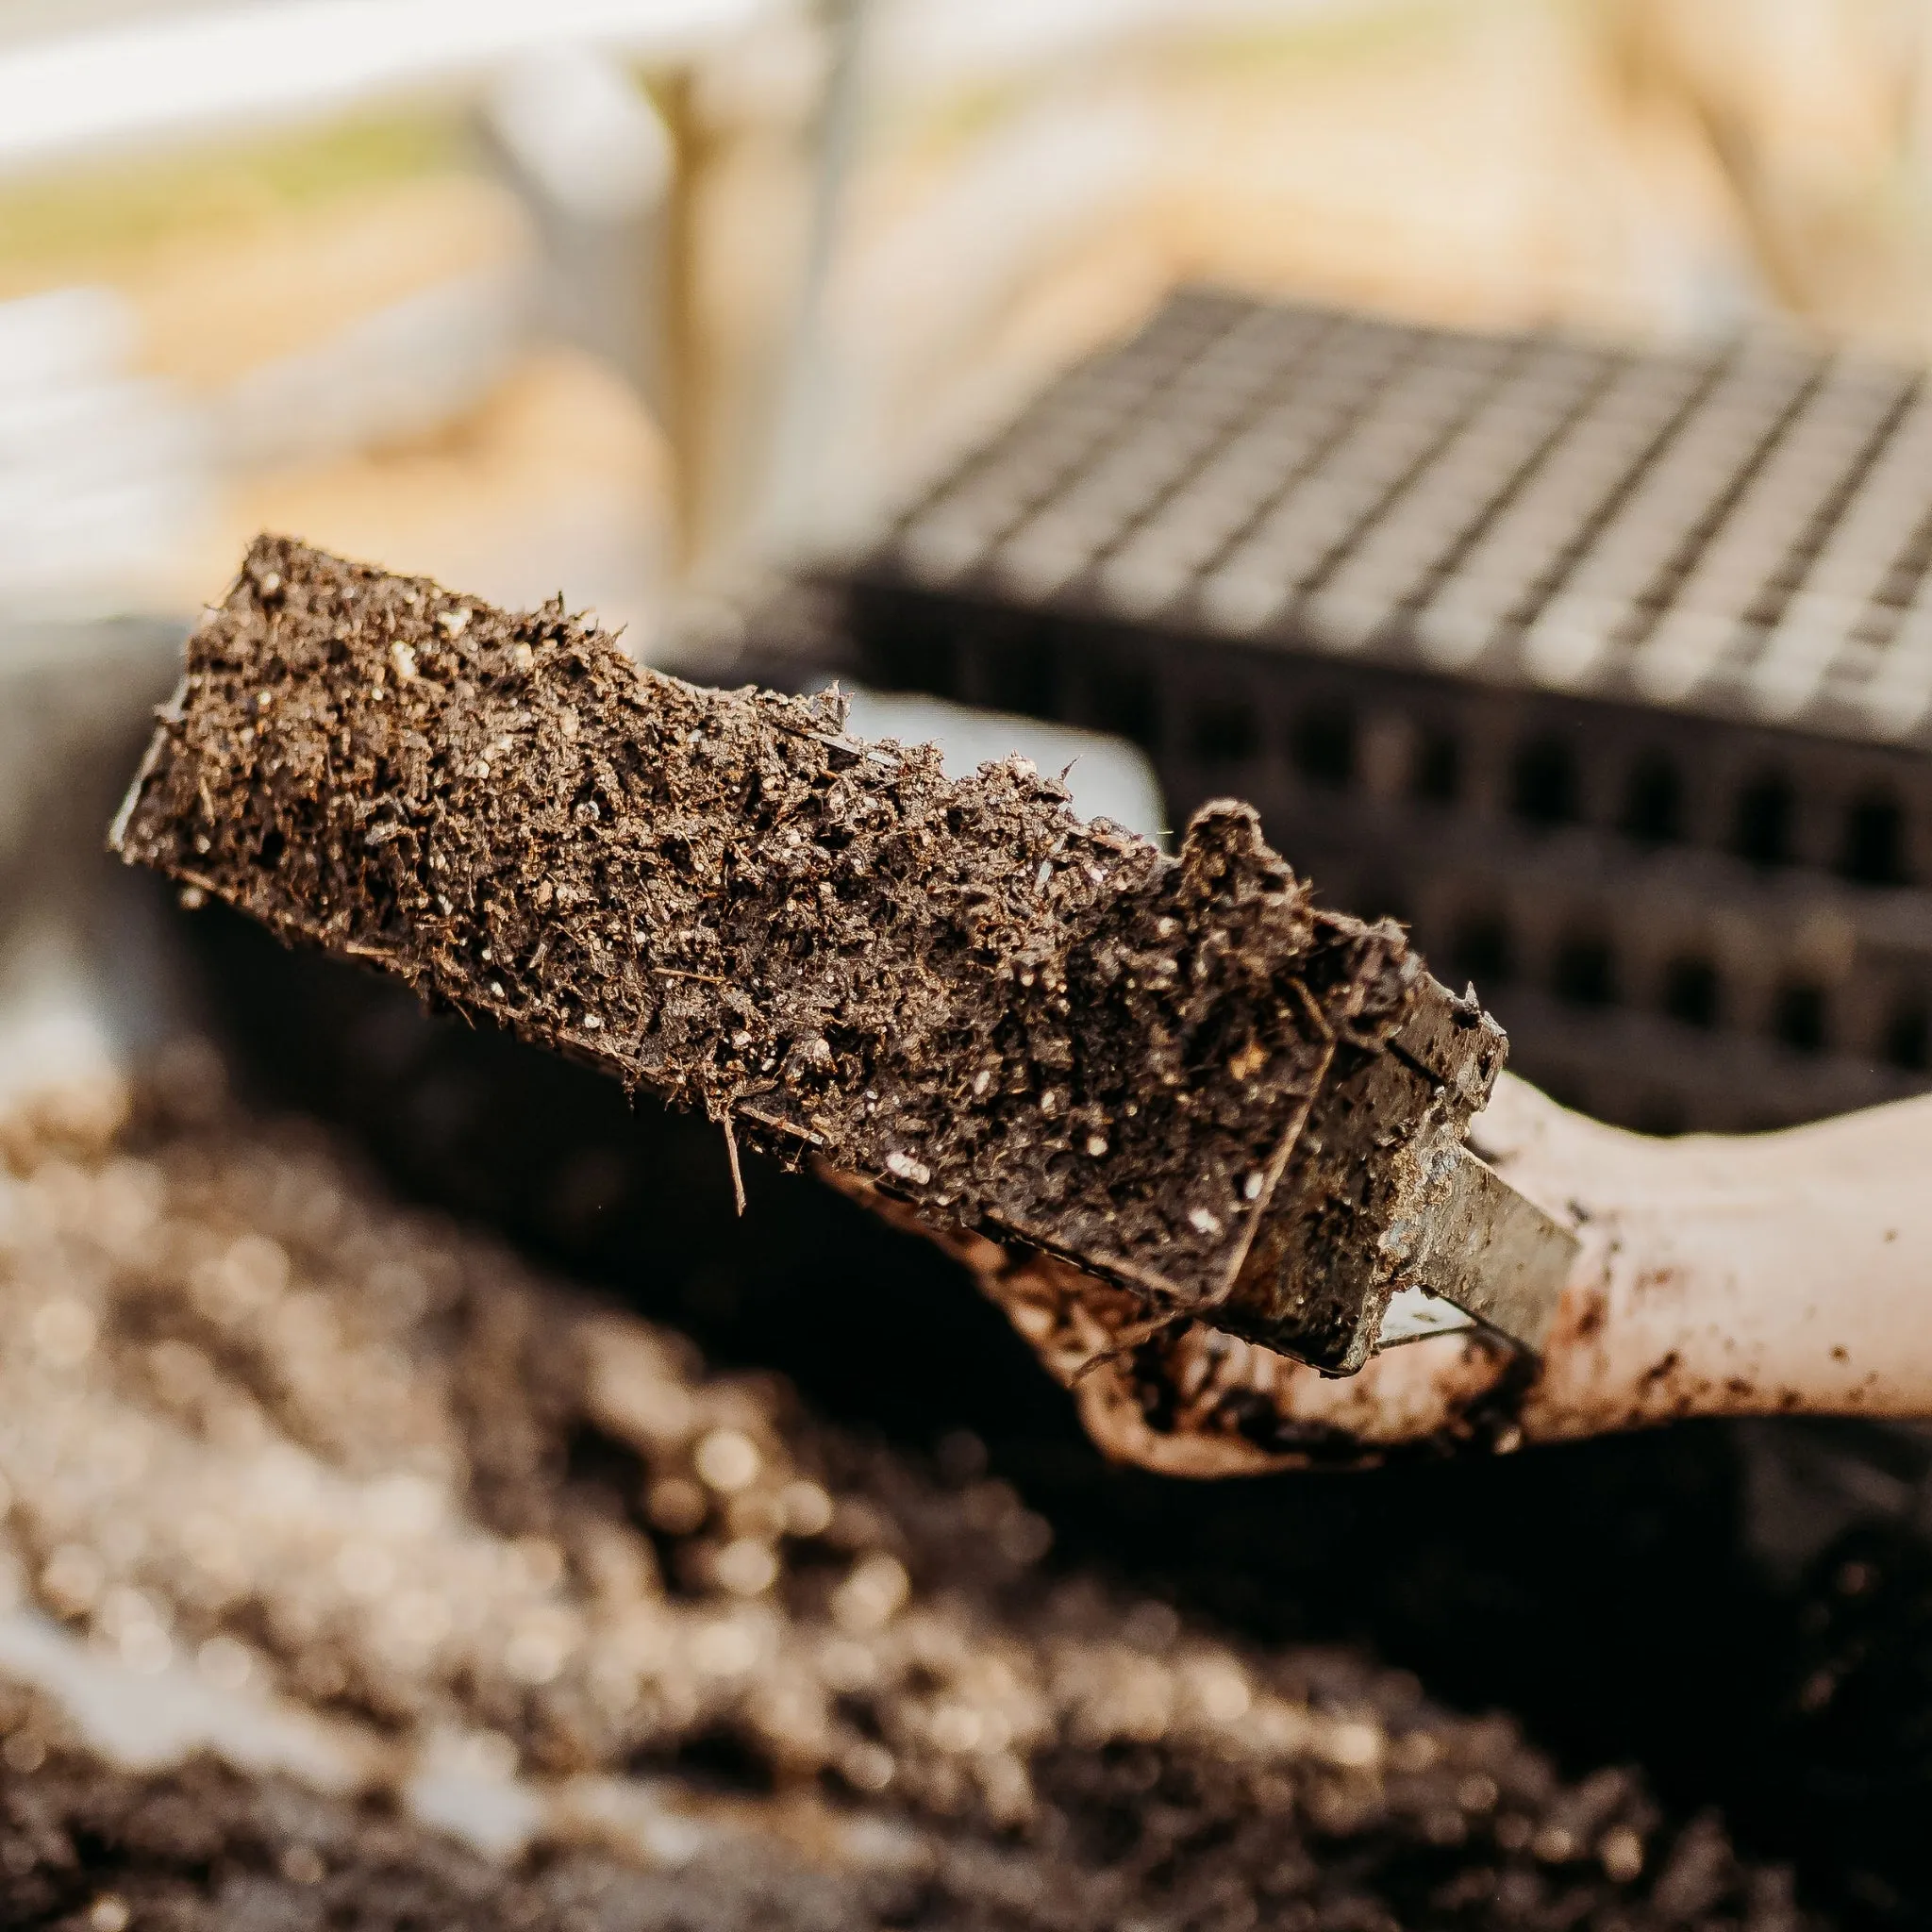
(1771, 1273)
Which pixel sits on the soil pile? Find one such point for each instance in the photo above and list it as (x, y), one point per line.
(261, 1425)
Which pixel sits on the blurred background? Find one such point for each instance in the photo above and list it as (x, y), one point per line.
(663, 303)
(626, 297)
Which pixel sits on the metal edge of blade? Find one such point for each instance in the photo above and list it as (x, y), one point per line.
(1489, 1252)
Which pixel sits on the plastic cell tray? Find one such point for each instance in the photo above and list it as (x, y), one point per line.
(1608, 672)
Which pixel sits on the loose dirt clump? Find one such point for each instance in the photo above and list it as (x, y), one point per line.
(955, 988)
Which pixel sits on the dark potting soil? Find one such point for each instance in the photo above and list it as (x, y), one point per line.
(86, 1847)
(258, 1415)
(954, 988)
(1151, 1839)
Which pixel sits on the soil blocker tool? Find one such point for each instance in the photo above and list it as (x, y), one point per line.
(1178, 1075)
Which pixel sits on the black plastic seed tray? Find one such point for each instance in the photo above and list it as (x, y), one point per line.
(1611, 673)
